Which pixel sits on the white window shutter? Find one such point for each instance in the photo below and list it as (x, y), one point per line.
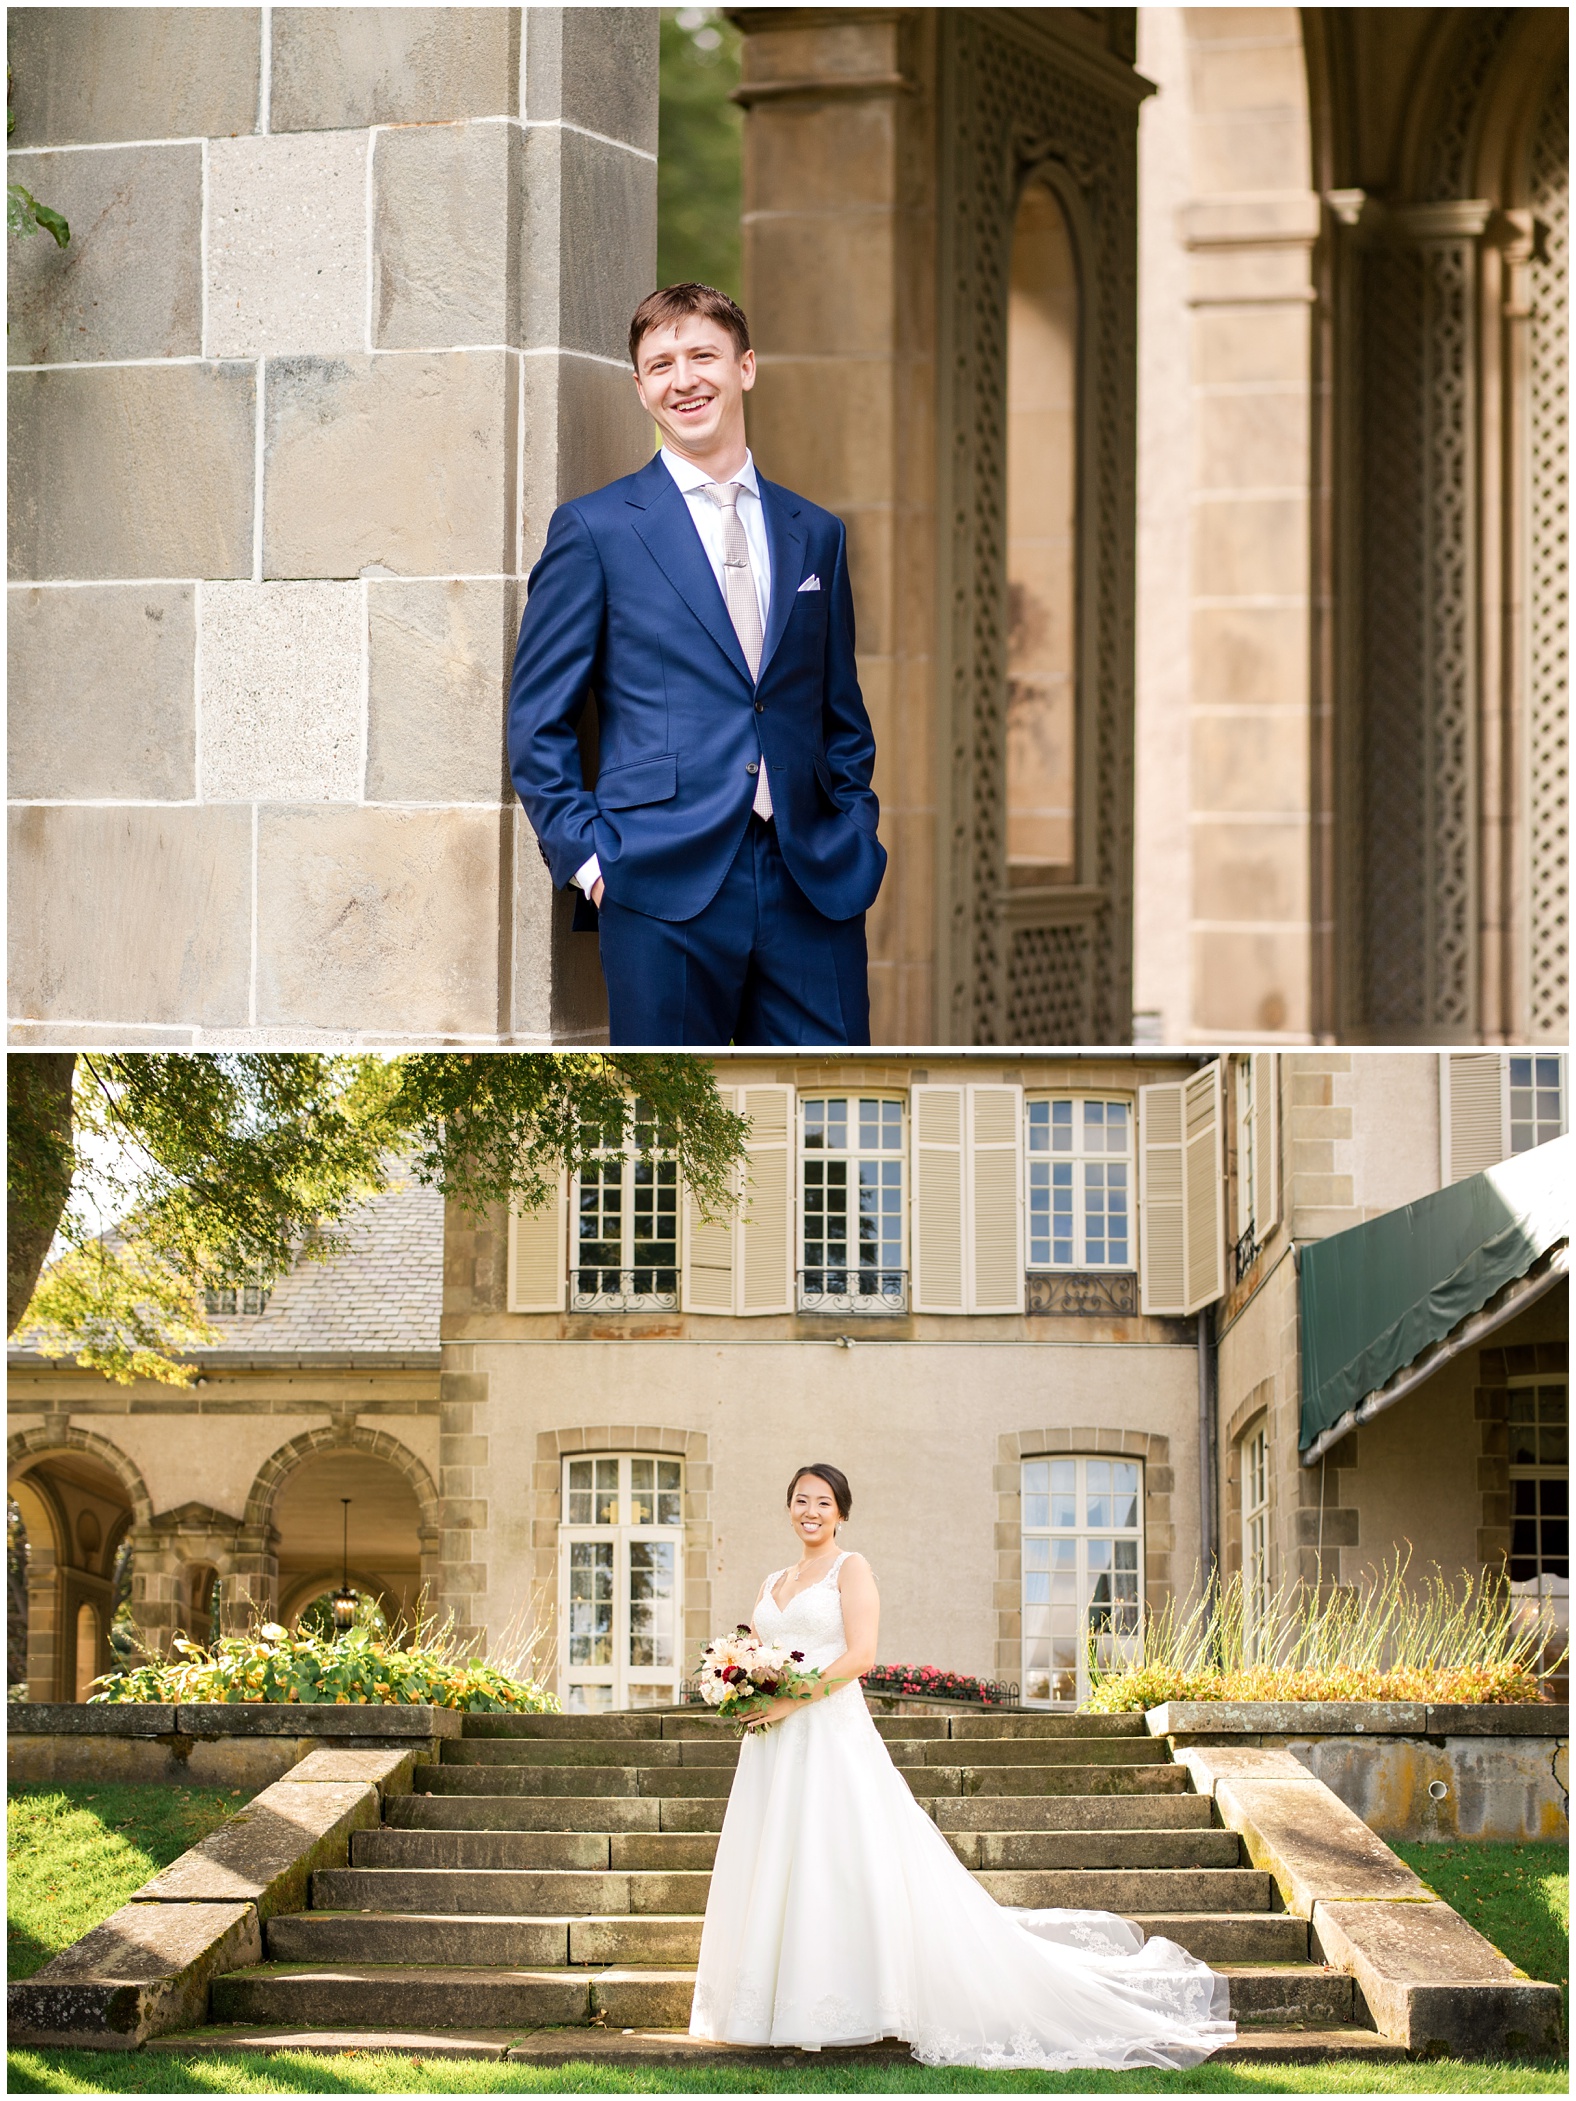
(995, 1205)
(1472, 1113)
(764, 1242)
(1266, 1143)
(1203, 1187)
(1161, 1243)
(937, 1240)
(538, 1262)
(709, 1250)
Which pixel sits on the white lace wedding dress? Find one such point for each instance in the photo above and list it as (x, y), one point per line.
(840, 1914)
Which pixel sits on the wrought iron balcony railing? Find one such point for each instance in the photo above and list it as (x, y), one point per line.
(853, 1288)
(601, 1290)
(1242, 1256)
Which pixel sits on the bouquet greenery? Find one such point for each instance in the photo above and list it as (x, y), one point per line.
(740, 1675)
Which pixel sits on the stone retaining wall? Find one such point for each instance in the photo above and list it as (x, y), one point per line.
(1410, 1770)
(206, 1745)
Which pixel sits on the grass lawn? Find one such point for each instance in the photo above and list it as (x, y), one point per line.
(293, 2072)
(1517, 1896)
(75, 1852)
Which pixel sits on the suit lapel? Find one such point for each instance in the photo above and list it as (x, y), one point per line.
(787, 539)
(667, 532)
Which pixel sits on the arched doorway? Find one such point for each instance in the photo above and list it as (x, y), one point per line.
(385, 1526)
(73, 1511)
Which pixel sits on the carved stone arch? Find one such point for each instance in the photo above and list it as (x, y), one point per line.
(256, 1555)
(25, 1447)
(53, 1580)
(312, 1444)
(1050, 969)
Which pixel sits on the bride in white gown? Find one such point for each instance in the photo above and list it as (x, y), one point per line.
(839, 1913)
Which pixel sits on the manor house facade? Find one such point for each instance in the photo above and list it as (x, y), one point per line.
(1051, 1314)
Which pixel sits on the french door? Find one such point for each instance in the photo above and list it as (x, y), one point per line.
(620, 1582)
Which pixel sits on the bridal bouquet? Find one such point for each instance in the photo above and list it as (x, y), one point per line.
(740, 1675)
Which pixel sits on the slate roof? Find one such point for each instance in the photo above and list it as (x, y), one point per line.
(382, 1298)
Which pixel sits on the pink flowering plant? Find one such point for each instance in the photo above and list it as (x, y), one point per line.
(923, 1681)
(740, 1675)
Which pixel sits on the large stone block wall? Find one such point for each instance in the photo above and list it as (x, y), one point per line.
(341, 320)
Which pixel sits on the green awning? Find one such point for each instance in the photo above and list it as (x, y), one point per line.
(1378, 1297)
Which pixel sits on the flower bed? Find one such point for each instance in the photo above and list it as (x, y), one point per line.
(925, 1682)
(272, 1664)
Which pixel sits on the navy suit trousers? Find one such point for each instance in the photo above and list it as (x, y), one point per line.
(759, 965)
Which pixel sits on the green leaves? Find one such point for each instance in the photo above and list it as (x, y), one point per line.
(269, 1663)
(227, 1168)
(25, 215)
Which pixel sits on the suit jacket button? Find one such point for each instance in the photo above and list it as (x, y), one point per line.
(760, 707)
(752, 765)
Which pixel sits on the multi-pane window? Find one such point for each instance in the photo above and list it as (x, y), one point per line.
(1080, 1184)
(1537, 1101)
(851, 1151)
(1256, 1535)
(626, 1223)
(619, 1582)
(250, 1298)
(1082, 1570)
(1539, 1480)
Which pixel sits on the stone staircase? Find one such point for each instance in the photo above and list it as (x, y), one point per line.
(551, 1874)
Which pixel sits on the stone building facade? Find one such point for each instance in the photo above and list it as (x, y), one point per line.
(1192, 384)
(1043, 1310)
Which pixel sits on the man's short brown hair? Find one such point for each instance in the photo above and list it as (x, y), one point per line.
(673, 302)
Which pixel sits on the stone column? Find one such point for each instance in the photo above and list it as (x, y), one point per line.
(1249, 229)
(839, 232)
(341, 319)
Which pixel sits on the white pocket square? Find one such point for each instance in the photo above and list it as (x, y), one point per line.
(811, 583)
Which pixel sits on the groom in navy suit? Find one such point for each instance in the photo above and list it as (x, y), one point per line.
(728, 841)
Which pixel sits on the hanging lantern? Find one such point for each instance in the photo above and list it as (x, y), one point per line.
(344, 1600)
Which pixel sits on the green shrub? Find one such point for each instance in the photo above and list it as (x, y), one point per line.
(361, 1667)
(1388, 1639)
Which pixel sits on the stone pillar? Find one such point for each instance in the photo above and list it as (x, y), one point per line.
(44, 1588)
(464, 1552)
(341, 319)
(1249, 229)
(839, 232)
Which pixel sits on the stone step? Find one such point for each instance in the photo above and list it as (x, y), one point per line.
(644, 1997)
(662, 1850)
(927, 1781)
(426, 1939)
(1221, 1937)
(939, 1780)
(1124, 1890)
(723, 1750)
(1072, 1813)
(669, 1727)
(640, 2049)
(470, 1812)
(363, 1996)
(521, 1892)
(1095, 1849)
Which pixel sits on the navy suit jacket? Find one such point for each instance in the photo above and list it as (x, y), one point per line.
(624, 602)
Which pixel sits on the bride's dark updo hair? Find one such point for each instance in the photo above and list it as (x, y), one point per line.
(835, 1479)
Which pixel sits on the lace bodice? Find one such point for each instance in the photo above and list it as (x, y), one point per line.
(812, 1620)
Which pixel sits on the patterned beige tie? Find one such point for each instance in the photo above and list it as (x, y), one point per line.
(744, 608)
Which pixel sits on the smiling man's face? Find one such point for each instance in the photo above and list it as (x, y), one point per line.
(692, 381)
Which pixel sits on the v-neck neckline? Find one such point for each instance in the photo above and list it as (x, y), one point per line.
(836, 1558)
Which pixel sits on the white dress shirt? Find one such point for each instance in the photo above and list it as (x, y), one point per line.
(709, 523)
